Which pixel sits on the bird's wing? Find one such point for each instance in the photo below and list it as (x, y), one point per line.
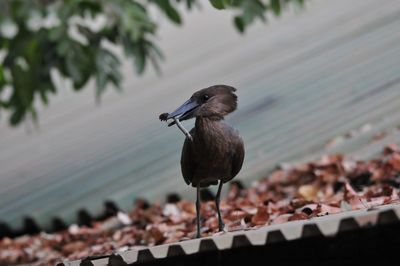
(237, 157)
(187, 162)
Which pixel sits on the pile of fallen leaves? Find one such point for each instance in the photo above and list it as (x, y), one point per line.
(329, 185)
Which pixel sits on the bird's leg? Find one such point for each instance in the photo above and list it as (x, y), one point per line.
(221, 224)
(198, 235)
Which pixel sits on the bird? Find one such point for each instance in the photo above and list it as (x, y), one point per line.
(213, 151)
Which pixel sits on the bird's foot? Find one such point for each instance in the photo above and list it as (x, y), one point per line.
(221, 230)
(222, 227)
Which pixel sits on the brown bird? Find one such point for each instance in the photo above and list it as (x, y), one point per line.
(213, 151)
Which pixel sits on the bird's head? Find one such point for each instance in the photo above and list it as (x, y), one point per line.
(213, 102)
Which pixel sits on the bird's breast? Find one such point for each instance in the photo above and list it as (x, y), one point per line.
(212, 148)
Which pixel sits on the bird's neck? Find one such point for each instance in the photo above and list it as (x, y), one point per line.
(208, 127)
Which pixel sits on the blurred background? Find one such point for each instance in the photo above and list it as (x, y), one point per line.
(319, 77)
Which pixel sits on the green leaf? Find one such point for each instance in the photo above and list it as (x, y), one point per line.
(189, 3)
(173, 14)
(239, 23)
(276, 6)
(107, 65)
(166, 7)
(2, 78)
(22, 86)
(155, 49)
(57, 33)
(154, 54)
(218, 4)
(79, 64)
(140, 59)
(46, 88)
(22, 96)
(135, 22)
(17, 116)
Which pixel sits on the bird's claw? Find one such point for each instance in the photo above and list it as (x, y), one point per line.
(222, 227)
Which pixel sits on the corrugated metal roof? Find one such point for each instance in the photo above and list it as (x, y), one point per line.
(302, 80)
(326, 227)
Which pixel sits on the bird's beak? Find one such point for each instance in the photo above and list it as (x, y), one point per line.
(185, 111)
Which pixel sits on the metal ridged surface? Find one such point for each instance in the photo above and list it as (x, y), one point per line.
(327, 226)
(302, 80)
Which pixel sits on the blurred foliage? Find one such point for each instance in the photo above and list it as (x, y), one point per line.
(40, 39)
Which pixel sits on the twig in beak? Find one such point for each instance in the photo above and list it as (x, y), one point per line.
(180, 126)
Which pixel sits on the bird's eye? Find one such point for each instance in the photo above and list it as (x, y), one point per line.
(205, 97)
